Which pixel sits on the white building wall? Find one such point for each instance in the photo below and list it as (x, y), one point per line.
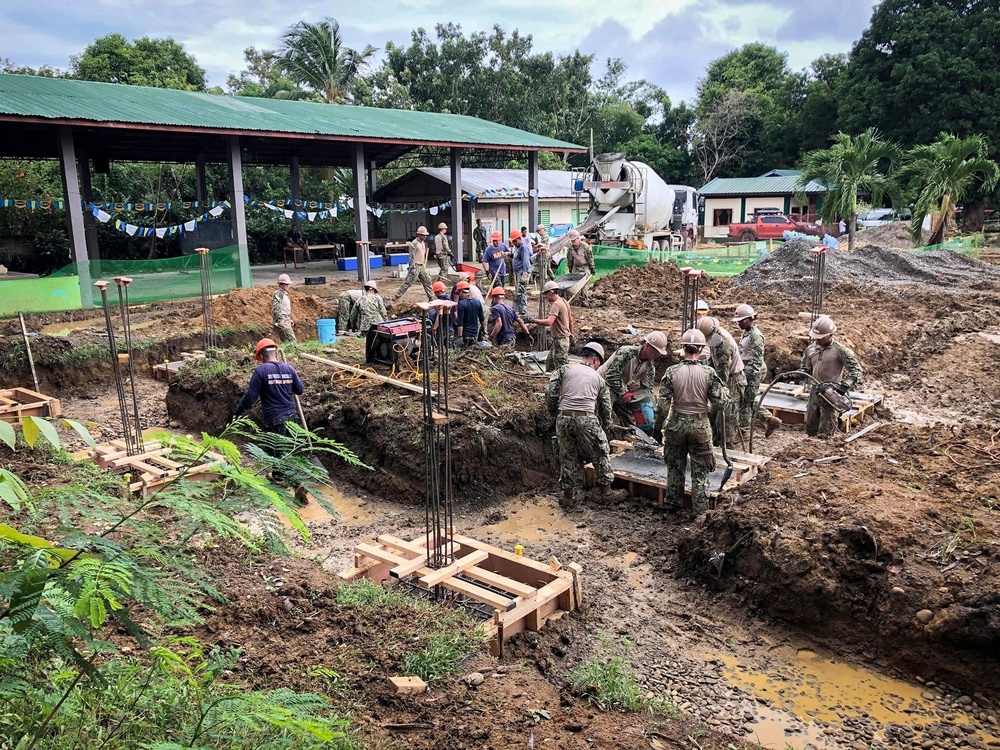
(716, 210)
(774, 201)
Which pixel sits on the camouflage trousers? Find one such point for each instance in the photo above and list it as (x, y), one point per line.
(821, 418)
(686, 436)
(521, 296)
(747, 408)
(283, 331)
(558, 355)
(582, 440)
(347, 317)
(444, 267)
(737, 386)
(416, 272)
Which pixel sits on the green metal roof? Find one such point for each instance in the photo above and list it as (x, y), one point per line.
(65, 100)
(738, 186)
(782, 173)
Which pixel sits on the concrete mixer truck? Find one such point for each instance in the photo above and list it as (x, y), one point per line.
(631, 204)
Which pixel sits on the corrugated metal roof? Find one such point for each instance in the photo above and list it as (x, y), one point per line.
(68, 100)
(757, 186)
(782, 173)
(552, 183)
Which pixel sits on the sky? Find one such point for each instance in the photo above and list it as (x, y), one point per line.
(668, 42)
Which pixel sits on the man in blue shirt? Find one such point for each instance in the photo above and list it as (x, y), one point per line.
(505, 319)
(276, 384)
(470, 318)
(494, 260)
(521, 248)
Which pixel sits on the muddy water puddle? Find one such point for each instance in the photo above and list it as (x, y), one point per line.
(349, 509)
(824, 693)
(98, 325)
(533, 521)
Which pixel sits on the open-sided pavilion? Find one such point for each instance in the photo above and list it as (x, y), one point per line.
(83, 123)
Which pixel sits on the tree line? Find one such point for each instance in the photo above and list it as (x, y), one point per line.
(922, 67)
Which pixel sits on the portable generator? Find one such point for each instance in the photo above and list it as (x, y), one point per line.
(390, 341)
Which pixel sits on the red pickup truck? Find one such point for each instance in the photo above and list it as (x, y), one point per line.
(768, 226)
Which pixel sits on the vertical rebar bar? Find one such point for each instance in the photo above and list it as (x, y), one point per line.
(685, 305)
(115, 368)
(208, 320)
(819, 282)
(122, 282)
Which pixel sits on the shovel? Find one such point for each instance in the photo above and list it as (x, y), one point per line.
(725, 455)
(302, 420)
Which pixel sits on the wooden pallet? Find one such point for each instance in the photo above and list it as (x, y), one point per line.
(152, 467)
(168, 370)
(18, 403)
(642, 472)
(523, 593)
(787, 401)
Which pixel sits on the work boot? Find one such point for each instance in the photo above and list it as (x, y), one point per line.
(772, 424)
(568, 499)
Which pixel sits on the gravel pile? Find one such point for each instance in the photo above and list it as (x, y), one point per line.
(894, 236)
(789, 269)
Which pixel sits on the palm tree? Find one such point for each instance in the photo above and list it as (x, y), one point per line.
(313, 56)
(946, 172)
(852, 165)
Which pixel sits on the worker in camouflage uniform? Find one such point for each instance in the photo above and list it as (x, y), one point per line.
(281, 310)
(633, 365)
(541, 257)
(347, 310)
(688, 392)
(522, 271)
(419, 254)
(836, 367)
(579, 256)
(371, 308)
(724, 357)
(479, 238)
(442, 250)
(560, 324)
(751, 347)
(579, 399)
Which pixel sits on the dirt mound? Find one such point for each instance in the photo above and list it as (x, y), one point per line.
(894, 236)
(248, 309)
(790, 268)
(635, 289)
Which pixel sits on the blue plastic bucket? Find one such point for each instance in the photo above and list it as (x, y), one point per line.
(326, 329)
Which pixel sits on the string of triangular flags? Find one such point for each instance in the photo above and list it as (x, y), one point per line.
(133, 230)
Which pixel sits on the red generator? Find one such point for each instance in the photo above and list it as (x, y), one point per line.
(390, 341)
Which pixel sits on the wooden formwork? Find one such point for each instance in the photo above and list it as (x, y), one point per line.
(644, 474)
(787, 401)
(168, 370)
(18, 403)
(523, 593)
(151, 468)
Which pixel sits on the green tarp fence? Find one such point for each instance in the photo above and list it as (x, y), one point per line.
(152, 280)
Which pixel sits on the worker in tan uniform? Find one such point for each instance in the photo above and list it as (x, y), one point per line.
(419, 253)
(751, 350)
(689, 391)
(836, 368)
(724, 357)
(560, 323)
(579, 399)
(442, 250)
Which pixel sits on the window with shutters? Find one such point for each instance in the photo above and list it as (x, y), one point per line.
(544, 219)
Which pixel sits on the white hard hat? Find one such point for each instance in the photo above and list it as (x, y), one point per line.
(596, 348)
(284, 279)
(421, 230)
(442, 225)
(701, 306)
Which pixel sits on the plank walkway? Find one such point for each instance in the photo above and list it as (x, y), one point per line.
(787, 401)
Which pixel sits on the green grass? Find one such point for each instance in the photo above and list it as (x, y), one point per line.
(609, 682)
(443, 656)
(366, 593)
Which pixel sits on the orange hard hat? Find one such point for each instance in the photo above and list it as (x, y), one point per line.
(462, 285)
(437, 286)
(498, 291)
(261, 346)
(515, 236)
(496, 236)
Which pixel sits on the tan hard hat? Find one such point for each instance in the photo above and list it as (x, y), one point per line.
(822, 327)
(371, 284)
(743, 312)
(657, 340)
(284, 279)
(422, 230)
(693, 337)
(550, 286)
(595, 348)
(708, 326)
(572, 234)
(442, 225)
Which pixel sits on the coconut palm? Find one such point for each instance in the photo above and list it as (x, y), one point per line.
(944, 173)
(313, 56)
(852, 165)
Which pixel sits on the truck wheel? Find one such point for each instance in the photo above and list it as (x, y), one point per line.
(747, 236)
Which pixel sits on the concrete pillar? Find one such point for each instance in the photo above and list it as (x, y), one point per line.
(295, 187)
(456, 205)
(74, 213)
(532, 222)
(373, 227)
(200, 190)
(361, 211)
(238, 211)
(89, 220)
